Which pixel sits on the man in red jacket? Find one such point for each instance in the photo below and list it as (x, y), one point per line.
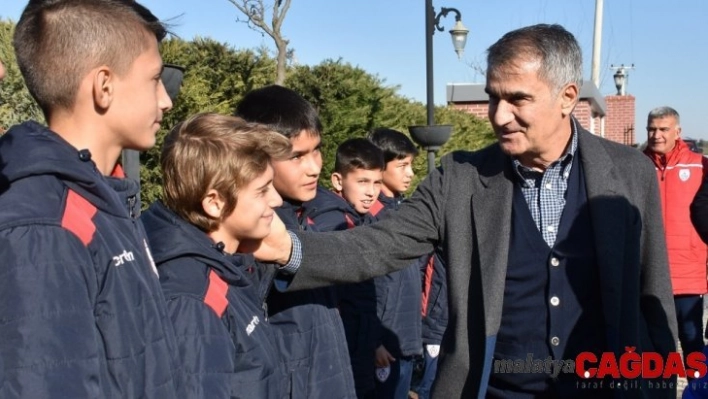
(680, 172)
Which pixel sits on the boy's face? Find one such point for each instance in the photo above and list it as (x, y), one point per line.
(397, 176)
(139, 101)
(253, 213)
(296, 178)
(359, 187)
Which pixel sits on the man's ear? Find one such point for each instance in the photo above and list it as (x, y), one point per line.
(213, 204)
(569, 98)
(337, 180)
(103, 81)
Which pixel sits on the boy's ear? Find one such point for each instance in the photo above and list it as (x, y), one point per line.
(103, 80)
(337, 181)
(213, 204)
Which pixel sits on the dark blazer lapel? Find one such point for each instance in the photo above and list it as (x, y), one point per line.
(607, 211)
(491, 212)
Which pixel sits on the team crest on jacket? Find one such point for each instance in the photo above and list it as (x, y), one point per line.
(684, 174)
(382, 373)
(433, 350)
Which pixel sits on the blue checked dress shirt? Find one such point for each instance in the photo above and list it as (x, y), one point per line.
(545, 191)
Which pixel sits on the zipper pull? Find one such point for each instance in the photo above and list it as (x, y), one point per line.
(131, 206)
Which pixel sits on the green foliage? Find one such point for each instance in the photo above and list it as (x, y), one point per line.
(216, 78)
(16, 104)
(468, 133)
(351, 102)
(348, 99)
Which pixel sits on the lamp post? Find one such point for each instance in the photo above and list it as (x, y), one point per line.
(620, 77)
(171, 76)
(430, 136)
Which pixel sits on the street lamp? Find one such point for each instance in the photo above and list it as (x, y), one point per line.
(620, 77)
(432, 137)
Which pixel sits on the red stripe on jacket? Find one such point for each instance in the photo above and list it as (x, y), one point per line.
(376, 208)
(350, 222)
(215, 296)
(427, 284)
(118, 172)
(77, 217)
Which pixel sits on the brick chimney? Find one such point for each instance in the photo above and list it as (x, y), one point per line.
(619, 121)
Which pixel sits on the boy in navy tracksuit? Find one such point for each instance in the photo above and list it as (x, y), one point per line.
(82, 312)
(356, 183)
(226, 346)
(309, 329)
(399, 293)
(434, 311)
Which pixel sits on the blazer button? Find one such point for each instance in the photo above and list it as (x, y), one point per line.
(555, 341)
(555, 301)
(555, 262)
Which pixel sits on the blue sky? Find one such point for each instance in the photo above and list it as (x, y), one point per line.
(666, 41)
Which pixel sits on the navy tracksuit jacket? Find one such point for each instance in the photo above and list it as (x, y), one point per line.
(357, 302)
(226, 345)
(399, 301)
(81, 310)
(309, 330)
(435, 312)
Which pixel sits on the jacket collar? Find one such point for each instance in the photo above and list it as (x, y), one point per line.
(661, 161)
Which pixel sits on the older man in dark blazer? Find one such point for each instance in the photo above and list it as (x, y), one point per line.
(553, 238)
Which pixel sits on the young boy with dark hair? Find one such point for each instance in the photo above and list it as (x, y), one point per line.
(82, 312)
(309, 329)
(226, 346)
(399, 152)
(356, 182)
(399, 293)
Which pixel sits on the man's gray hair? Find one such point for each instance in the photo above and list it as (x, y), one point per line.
(663, 112)
(554, 47)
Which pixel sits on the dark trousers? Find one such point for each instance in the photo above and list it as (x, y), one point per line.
(689, 316)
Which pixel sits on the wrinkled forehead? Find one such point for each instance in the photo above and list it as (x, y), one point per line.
(514, 66)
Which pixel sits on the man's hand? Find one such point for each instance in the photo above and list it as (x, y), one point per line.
(383, 358)
(275, 248)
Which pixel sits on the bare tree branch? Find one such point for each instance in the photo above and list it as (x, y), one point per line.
(255, 11)
(477, 67)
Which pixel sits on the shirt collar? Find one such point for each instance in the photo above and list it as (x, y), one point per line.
(523, 172)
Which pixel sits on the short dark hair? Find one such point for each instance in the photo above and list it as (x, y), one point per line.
(358, 153)
(58, 41)
(281, 109)
(394, 144)
(553, 46)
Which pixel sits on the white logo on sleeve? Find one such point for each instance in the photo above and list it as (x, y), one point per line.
(382, 373)
(121, 259)
(433, 350)
(252, 325)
